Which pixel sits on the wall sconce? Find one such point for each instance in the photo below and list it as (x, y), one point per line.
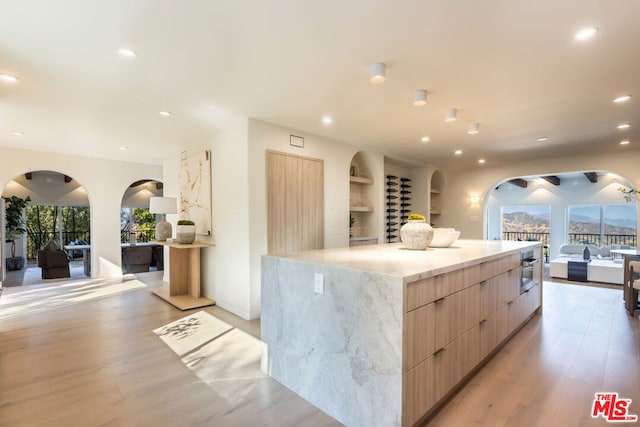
(474, 200)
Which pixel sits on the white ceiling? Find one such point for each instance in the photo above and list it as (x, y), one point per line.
(511, 65)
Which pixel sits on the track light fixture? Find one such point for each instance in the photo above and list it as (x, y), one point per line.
(473, 128)
(420, 97)
(450, 115)
(377, 73)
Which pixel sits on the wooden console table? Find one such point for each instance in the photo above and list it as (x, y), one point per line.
(183, 289)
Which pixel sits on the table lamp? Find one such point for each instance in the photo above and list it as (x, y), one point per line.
(164, 206)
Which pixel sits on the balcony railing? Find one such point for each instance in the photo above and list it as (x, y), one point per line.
(36, 241)
(574, 238)
(526, 236)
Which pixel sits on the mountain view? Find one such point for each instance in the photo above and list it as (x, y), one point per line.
(522, 221)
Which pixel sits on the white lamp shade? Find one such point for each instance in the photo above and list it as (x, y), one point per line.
(473, 128)
(163, 205)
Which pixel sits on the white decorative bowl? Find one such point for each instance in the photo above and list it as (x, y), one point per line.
(444, 237)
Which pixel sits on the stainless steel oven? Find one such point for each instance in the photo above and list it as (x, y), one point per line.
(528, 263)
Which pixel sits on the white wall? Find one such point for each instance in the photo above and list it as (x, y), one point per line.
(571, 192)
(231, 269)
(105, 182)
(337, 159)
(459, 212)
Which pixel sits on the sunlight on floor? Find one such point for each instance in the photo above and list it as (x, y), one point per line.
(34, 298)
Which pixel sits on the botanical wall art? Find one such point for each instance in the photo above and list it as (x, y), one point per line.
(195, 191)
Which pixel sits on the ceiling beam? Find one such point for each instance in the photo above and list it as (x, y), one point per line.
(28, 175)
(519, 182)
(553, 179)
(67, 178)
(591, 176)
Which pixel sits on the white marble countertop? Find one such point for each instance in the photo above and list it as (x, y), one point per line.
(395, 260)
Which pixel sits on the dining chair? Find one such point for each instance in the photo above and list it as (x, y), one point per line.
(632, 286)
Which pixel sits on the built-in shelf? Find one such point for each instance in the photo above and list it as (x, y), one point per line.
(361, 209)
(435, 212)
(360, 180)
(435, 191)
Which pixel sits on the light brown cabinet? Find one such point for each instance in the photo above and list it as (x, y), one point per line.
(453, 321)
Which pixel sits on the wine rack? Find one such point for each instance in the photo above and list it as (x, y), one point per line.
(398, 205)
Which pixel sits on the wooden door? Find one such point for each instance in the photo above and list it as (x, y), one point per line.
(295, 203)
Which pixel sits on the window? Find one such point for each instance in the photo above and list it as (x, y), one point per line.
(526, 223)
(138, 220)
(602, 225)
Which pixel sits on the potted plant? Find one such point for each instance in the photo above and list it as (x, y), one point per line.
(352, 221)
(186, 231)
(15, 227)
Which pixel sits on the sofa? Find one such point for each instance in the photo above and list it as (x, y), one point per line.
(53, 261)
(603, 266)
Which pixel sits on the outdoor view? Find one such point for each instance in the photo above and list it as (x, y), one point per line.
(603, 225)
(526, 223)
(599, 225)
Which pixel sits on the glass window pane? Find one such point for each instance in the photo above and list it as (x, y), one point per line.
(584, 225)
(526, 223)
(620, 225)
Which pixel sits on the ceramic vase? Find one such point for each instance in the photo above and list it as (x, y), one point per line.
(185, 233)
(416, 234)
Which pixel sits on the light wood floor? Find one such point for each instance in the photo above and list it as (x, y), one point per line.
(97, 362)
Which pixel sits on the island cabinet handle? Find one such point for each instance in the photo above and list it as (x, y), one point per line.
(439, 300)
(483, 321)
(510, 302)
(527, 290)
(439, 352)
(483, 283)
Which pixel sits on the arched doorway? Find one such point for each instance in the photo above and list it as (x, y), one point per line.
(137, 228)
(56, 217)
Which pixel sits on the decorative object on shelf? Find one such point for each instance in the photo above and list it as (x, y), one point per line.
(15, 227)
(352, 221)
(586, 254)
(353, 171)
(163, 206)
(186, 231)
(444, 237)
(416, 234)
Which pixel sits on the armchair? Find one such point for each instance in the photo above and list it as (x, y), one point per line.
(53, 261)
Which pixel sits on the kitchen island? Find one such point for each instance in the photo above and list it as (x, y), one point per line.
(381, 335)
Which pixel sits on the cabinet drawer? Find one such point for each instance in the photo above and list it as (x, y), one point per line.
(430, 380)
(436, 324)
(424, 291)
(498, 266)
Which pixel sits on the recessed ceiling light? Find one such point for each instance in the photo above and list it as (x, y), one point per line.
(424, 139)
(623, 126)
(377, 73)
(9, 78)
(457, 152)
(474, 128)
(327, 120)
(123, 148)
(127, 53)
(625, 142)
(623, 98)
(543, 138)
(164, 113)
(585, 33)
(481, 161)
(17, 133)
(420, 98)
